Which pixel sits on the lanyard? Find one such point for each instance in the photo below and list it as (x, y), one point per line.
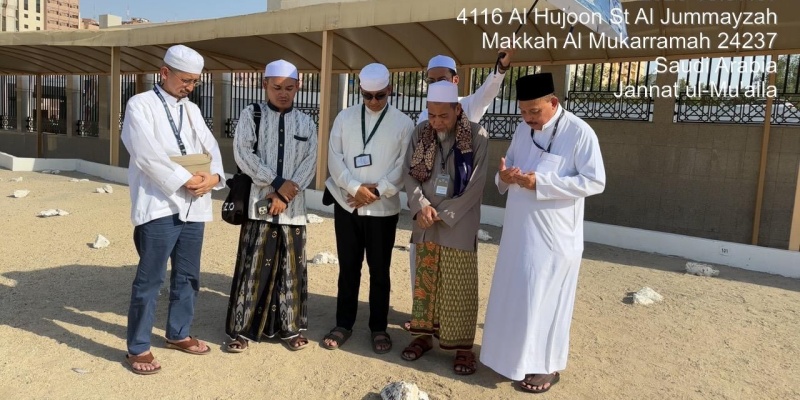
(176, 130)
(552, 137)
(364, 137)
(444, 157)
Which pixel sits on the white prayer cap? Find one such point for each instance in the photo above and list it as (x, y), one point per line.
(374, 77)
(442, 61)
(184, 59)
(280, 69)
(443, 92)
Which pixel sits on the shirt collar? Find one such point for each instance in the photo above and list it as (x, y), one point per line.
(273, 108)
(171, 100)
(370, 112)
(553, 119)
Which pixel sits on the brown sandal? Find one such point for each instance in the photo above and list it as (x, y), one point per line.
(534, 380)
(186, 346)
(417, 347)
(296, 343)
(142, 359)
(465, 360)
(238, 345)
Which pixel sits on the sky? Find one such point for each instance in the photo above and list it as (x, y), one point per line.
(174, 10)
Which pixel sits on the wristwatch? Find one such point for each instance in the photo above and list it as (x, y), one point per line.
(376, 192)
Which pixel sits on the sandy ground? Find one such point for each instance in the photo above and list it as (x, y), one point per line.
(63, 314)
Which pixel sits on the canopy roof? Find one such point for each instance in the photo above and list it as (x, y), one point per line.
(403, 35)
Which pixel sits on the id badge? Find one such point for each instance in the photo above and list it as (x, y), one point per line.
(442, 183)
(362, 160)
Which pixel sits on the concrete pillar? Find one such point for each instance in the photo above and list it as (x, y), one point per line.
(344, 89)
(73, 103)
(464, 81)
(144, 82)
(664, 106)
(23, 100)
(114, 107)
(326, 114)
(104, 111)
(222, 102)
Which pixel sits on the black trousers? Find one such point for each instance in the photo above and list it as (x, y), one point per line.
(356, 235)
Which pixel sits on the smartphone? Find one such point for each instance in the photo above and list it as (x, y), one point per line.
(263, 206)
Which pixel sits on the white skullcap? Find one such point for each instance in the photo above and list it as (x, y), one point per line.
(280, 69)
(374, 77)
(184, 59)
(442, 61)
(443, 92)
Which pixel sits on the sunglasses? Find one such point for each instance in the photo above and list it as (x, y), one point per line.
(377, 96)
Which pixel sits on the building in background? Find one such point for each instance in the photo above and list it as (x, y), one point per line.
(90, 24)
(61, 15)
(8, 16)
(30, 15)
(38, 15)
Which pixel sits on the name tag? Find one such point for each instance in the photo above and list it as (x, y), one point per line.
(442, 183)
(363, 160)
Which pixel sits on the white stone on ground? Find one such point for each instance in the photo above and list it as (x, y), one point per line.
(51, 171)
(403, 391)
(105, 189)
(21, 193)
(325, 258)
(483, 235)
(79, 180)
(16, 179)
(314, 219)
(52, 213)
(100, 242)
(700, 269)
(646, 296)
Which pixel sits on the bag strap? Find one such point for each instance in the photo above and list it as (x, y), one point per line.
(257, 122)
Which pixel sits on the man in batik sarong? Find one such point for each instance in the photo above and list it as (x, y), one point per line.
(446, 164)
(270, 284)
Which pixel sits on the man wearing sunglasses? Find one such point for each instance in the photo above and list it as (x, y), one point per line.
(368, 143)
(169, 204)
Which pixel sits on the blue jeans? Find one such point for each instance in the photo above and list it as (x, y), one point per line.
(156, 241)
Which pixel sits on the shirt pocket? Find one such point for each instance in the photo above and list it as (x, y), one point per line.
(301, 138)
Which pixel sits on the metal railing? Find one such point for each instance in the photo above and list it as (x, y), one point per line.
(592, 89)
(734, 90)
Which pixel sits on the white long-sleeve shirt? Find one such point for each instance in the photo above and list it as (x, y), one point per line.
(155, 181)
(476, 104)
(387, 147)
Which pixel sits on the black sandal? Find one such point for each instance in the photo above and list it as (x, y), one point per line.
(338, 340)
(534, 380)
(380, 339)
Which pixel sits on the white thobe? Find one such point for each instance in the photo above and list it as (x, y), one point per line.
(155, 181)
(530, 306)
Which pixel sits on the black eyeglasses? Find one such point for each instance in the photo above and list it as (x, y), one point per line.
(377, 96)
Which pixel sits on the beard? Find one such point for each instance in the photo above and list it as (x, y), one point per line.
(442, 135)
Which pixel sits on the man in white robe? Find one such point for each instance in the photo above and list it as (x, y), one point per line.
(169, 204)
(553, 163)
